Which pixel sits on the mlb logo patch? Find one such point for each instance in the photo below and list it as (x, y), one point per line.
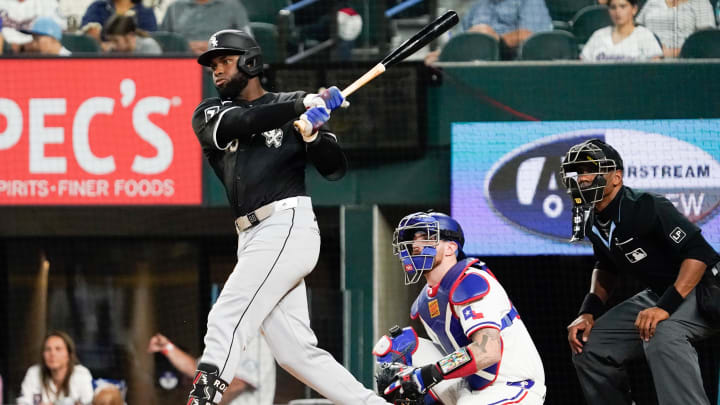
(677, 235)
(636, 255)
(409, 268)
(434, 308)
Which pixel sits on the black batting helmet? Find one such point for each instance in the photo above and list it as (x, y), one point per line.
(234, 42)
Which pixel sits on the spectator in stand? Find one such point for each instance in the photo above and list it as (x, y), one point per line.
(622, 40)
(20, 14)
(125, 37)
(509, 21)
(101, 10)
(46, 35)
(197, 20)
(73, 11)
(674, 20)
(254, 382)
(58, 376)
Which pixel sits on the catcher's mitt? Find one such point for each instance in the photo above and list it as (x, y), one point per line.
(406, 394)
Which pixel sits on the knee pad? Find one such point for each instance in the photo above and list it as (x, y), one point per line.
(206, 384)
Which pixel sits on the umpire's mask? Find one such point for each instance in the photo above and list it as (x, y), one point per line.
(235, 42)
(592, 158)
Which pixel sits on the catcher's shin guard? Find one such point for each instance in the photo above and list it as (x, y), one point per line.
(206, 384)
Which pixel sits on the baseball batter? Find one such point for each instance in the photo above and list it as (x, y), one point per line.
(248, 138)
(466, 311)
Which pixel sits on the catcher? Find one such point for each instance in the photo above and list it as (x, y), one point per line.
(468, 315)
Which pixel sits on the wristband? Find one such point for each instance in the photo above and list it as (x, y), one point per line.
(167, 348)
(457, 364)
(593, 305)
(670, 300)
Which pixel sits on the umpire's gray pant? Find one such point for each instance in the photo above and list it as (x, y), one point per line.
(670, 355)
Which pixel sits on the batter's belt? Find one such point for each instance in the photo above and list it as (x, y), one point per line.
(246, 222)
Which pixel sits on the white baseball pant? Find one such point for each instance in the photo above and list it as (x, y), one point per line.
(267, 289)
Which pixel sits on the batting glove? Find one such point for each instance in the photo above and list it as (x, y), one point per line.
(334, 98)
(313, 100)
(314, 117)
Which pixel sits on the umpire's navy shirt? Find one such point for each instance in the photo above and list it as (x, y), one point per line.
(645, 235)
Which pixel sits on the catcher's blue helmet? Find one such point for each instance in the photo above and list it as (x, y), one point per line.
(426, 229)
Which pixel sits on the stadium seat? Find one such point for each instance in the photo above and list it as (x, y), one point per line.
(269, 39)
(564, 10)
(589, 20)
(470, 46)
(551, 45)
(171, 42)
(702, 44)
(264, 10)
(79, 43)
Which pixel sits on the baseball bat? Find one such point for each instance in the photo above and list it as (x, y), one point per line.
(423, 37)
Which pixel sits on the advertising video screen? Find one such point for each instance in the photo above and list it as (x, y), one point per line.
(506, 189)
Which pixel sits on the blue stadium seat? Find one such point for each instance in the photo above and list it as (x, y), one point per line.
(470, 46)
(702, 44)
(550, 45)
(171, 42)
(79, 43)
(589, 20)
(269, 39)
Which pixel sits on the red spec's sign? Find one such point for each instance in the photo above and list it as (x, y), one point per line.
(99, 131)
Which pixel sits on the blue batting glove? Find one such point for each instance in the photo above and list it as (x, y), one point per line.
(316, 116)
(333, 98)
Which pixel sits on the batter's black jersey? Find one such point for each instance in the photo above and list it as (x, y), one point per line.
(645, 235)
(255, 151)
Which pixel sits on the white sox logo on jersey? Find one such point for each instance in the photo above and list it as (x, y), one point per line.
(273, 137)
(210, 112)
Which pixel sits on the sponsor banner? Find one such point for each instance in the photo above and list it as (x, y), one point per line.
(99, 131)
(507, 193)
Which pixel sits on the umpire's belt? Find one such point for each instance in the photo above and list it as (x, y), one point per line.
(248, 221)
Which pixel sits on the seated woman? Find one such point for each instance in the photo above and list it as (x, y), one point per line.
(58, 377)
(100, 11)
(124, 36)
(623, 40)
(674, 20)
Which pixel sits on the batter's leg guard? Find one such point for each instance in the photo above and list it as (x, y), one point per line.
(206, 384)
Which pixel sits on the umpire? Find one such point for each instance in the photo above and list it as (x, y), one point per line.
(247, 135)
(642, 234)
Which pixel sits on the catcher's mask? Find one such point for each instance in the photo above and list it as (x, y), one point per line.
(425, 230)
(592, 158)
(234, 42)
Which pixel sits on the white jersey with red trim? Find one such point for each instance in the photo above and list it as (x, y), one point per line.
(468, 299)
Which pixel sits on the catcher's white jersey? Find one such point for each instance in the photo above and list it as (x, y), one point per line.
(468, 299)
